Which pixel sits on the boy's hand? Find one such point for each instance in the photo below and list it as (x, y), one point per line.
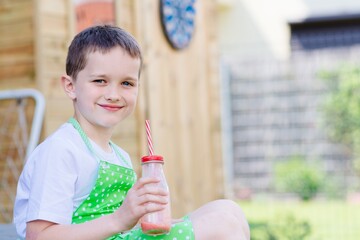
(144, 197)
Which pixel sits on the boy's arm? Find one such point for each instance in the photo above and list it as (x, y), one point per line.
(100, 228)
(144, 197)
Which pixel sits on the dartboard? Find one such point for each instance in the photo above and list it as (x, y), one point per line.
(178, 21)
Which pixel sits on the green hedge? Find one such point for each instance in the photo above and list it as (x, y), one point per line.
(282, 228)
(297, 176)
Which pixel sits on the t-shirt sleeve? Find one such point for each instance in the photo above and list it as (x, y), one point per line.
(52, 184)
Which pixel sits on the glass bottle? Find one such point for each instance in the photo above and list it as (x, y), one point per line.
(157, 222)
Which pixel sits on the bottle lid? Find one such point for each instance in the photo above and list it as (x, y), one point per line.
(152, 158)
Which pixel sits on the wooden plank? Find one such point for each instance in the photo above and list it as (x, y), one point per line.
(215, 100)
(16, 50)
(16, 27)
(55, 8)
(8, 60)
(16, 11)
(25, 49)
(124, 14)
(61, 108)
(56, 47)
(55, 63)
(15, 41)
(12, 45)
(54, 25)
(17, 82)
(20, 32)
(18, 70)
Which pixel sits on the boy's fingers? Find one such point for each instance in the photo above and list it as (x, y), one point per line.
(151, 190)
(150, 207)
(143, 181)
(150, 198)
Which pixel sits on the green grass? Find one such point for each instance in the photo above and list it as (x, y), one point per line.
(329, 220)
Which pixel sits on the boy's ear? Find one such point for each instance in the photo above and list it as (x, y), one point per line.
(69, 86)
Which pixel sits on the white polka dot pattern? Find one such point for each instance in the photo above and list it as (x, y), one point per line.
(107, 188)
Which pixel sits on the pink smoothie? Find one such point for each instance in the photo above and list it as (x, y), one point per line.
(154, 229)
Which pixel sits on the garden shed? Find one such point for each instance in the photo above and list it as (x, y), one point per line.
(179, 89)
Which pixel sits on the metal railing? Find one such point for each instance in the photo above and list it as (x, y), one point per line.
(18, 139)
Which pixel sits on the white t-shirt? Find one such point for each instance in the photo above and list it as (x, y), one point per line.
(58, 177)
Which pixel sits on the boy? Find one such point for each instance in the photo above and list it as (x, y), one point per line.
(70, 187)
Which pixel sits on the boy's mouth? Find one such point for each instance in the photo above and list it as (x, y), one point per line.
(110, 107)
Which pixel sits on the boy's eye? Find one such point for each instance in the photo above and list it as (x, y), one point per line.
(100, 81)
(126, 83)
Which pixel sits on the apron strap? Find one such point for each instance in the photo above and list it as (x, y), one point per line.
(83, 135)
(86, 140)
(118, 153)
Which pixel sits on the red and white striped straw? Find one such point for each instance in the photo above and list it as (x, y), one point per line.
(149, 140)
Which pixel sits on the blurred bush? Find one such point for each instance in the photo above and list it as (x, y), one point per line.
(282, 228)
(297, 176)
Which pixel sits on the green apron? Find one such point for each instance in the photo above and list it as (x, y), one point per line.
(112, 184)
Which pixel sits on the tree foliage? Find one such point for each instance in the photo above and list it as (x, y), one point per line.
(341, 108)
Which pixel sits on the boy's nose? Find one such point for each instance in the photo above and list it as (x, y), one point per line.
(112, 94)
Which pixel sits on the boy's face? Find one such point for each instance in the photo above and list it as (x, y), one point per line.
(105, 91)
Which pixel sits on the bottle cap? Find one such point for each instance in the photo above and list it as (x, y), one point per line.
(152, 158)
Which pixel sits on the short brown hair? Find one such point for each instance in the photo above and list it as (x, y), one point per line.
(98, 38)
